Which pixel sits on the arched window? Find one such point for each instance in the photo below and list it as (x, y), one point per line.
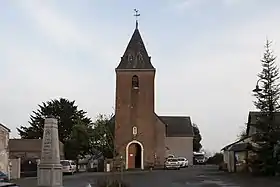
(135, 82)
(139, 57)
(134, 131)
(129, 58)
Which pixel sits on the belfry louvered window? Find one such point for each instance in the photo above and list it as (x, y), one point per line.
(135, 82)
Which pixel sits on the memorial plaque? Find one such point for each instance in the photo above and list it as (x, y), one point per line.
(47, 145)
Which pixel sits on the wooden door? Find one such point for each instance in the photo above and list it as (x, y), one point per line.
(131, 156)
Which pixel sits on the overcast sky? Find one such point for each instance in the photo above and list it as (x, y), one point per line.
(206, 53)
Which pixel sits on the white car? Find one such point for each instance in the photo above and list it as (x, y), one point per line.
(172, 163)
(68, 166)
(183, 162)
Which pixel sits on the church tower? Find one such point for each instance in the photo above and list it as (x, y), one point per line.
(134, 110)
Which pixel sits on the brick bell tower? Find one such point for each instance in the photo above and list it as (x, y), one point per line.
(134, 109)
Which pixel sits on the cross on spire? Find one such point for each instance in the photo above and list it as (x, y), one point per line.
(136, 17)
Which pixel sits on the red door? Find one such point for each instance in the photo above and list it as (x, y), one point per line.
(131, 156)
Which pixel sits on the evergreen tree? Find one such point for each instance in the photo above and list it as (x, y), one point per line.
(267, 127)
(197, 138)
(269, 94)
(73, 126)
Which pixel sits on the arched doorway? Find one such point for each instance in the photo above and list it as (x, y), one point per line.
(134, 155)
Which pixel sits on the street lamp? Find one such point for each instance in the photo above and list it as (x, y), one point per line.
(276, 145)
(257, 89)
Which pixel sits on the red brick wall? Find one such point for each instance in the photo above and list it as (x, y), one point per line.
(160, 141)
(135, 108)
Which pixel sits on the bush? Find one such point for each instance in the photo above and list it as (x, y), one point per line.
(114, 183)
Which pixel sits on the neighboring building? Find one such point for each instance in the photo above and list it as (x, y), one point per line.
(28, 152)
(237, 153)
(93, 162)
(29, 148)
(253, 119)
(142, 137)
(4, 153)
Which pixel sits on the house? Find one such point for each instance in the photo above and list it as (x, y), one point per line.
(29, 148)
(4, 153)
(143, 138)
(93, 162)
(28, 152)
(238, 152)
(235, 155)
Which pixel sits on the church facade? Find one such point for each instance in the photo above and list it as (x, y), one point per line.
(143, 138)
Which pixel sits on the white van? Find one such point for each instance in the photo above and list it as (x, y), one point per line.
(68, 166)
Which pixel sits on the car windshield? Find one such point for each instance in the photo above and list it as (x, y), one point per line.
(65, 163)
(172, 160)
(2, 174)
(199, 157)
(181, 159)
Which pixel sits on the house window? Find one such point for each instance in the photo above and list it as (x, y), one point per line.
(135, 82)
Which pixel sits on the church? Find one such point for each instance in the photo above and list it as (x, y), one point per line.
(143, 138)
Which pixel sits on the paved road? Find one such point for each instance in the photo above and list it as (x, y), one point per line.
(203, 176)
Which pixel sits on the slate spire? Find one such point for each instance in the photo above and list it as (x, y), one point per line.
(135, 55)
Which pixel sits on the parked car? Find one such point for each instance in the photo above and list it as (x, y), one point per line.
(7, 184)
(68, 166)
(3, 177)
(183, 162)
(172, 163)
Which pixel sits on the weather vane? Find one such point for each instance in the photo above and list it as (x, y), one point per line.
(136, 16)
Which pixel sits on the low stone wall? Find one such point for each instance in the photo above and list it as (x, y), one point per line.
(15, 168)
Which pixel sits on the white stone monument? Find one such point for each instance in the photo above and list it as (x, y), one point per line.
(49, 168)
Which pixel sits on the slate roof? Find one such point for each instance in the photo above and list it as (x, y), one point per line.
(178, 126)
(235, 143)
(239, 147)
(254, 116)
(26, 145)
(135, 56)
(96, 155)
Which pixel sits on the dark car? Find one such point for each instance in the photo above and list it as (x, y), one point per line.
(5, 184)
(3, 177)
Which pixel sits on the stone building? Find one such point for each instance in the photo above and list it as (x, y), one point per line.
(142, 137)
(4, 153)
